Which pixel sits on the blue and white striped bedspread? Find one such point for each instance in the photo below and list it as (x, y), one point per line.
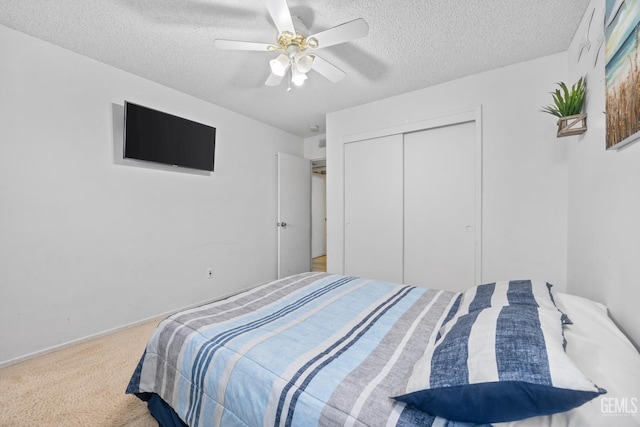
(311, 349)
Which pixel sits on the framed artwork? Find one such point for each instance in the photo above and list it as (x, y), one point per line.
(622, 72)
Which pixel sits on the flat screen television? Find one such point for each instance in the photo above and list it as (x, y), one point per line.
(153, 136)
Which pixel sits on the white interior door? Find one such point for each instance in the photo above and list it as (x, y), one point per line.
(440, 207)
(373, 208)
(294, 215)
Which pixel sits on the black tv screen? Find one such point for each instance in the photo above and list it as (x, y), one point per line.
(154, 136)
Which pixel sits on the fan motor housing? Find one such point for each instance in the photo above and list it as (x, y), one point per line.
(303, 43)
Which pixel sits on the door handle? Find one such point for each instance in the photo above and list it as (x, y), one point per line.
(282, 224)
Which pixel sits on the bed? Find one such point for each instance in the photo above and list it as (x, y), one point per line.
(328, 350)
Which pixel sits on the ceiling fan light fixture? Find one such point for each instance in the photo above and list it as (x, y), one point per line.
(292, 46)
(297, 77)
(304, 63)
(279, 65)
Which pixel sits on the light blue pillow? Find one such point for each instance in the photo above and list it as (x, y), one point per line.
(498, 364)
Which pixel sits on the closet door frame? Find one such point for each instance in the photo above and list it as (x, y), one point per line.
(446, 119)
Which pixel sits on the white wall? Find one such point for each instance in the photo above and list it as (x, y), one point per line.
(604, 200)
(312, 149)
(89, 243)
(318, 215)
(524, 165)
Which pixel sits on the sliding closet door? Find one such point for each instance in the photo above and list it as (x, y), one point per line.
(373, 208)
(440, 207)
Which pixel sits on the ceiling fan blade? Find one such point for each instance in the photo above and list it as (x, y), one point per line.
(281, 16)
(342, 33)
(240, 45)
(327, 69)
(273, 80)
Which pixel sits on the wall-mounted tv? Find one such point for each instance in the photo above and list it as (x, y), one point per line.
(154, 136)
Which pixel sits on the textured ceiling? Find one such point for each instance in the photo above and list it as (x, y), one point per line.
(411, 44)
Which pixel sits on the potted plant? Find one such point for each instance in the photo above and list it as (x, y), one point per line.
(567, 106)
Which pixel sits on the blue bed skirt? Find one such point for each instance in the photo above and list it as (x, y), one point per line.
(161, 411)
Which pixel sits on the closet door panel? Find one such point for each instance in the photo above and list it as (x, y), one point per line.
(373, 208)
(439, 207)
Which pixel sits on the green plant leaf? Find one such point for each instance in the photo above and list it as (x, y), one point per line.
(567, 102)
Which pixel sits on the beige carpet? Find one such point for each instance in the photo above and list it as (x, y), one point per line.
(82, 385)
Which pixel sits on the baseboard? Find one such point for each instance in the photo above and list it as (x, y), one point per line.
(157, 317)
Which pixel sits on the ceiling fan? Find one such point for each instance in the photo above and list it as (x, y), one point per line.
(294, 59)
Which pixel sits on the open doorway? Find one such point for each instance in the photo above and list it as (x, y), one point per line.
(319, 215)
